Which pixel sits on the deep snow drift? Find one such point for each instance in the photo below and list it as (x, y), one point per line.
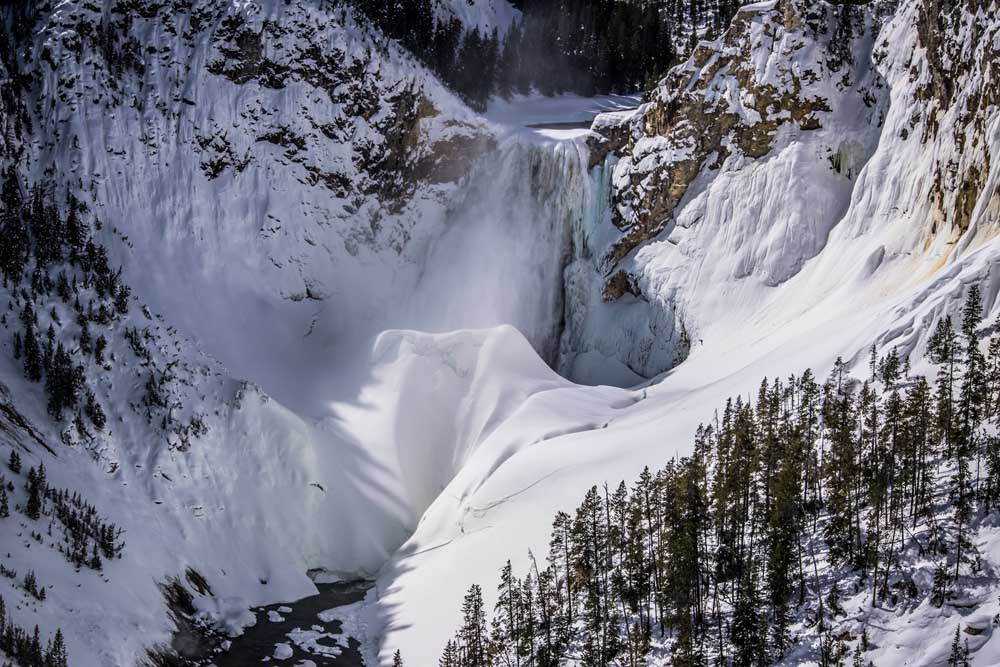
(430, 457)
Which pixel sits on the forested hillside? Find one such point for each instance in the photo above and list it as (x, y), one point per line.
(798, 515)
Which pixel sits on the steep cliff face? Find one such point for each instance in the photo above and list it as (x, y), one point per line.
(270, 149)
(733, 174)
(955, 110)
(805, 125)
(267, 175)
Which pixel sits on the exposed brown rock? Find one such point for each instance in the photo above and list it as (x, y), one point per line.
(699, 122)
(620, 284)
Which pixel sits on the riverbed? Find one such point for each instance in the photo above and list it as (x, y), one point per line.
(305, 633)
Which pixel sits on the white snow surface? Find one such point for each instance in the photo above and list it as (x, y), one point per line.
(431, 457)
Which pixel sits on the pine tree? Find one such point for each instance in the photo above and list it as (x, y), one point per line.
(971, 400)
(450, 657)
(100, 345)
(4, 506)
(473, 636)
(86, 344)
(14, 462)
(942, 349)
(59, 655)
(95, 559)
(35, 656)
(959, 656)
(397, 659)
(506, 617)
(121, 299)
(588, 539)
(76, 231)
(749, 649)
(33, 361)
(36, 490)
(95, 412)
(832, 652)
(30, 583)
(16, 246)
(559, 560)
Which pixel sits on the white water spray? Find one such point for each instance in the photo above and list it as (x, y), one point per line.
(501, 258)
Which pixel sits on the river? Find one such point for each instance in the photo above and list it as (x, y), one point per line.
(300, 633)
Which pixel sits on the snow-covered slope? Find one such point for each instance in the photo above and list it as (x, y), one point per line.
(259, 171)
(792, 194)
(280, 184)
(278, 154)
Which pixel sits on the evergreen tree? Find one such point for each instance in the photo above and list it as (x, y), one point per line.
(56, 655)
(34, 653)
(507, 617)
(749, 647)
(450, 657)
(36, 492)
(33, 360)
(473, 636)
(942, 349)
(14, 462)
(15, 249)
(959, 656)
(95, 412)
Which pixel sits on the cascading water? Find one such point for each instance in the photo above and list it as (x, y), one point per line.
(622, 342)
(507, 239)
(522, 246)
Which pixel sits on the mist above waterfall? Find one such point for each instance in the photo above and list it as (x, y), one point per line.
(507, 239)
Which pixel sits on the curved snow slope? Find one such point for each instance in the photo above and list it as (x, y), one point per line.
(435, 398)
(779, 263)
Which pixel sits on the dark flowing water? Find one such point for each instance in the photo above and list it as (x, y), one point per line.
(258, 642)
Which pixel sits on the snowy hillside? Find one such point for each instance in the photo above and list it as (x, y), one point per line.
(243, 167)
(362, 331)
(780, 200)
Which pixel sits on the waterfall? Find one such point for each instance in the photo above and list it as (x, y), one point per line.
(521, 245)
(507, 238)
(624, 342)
